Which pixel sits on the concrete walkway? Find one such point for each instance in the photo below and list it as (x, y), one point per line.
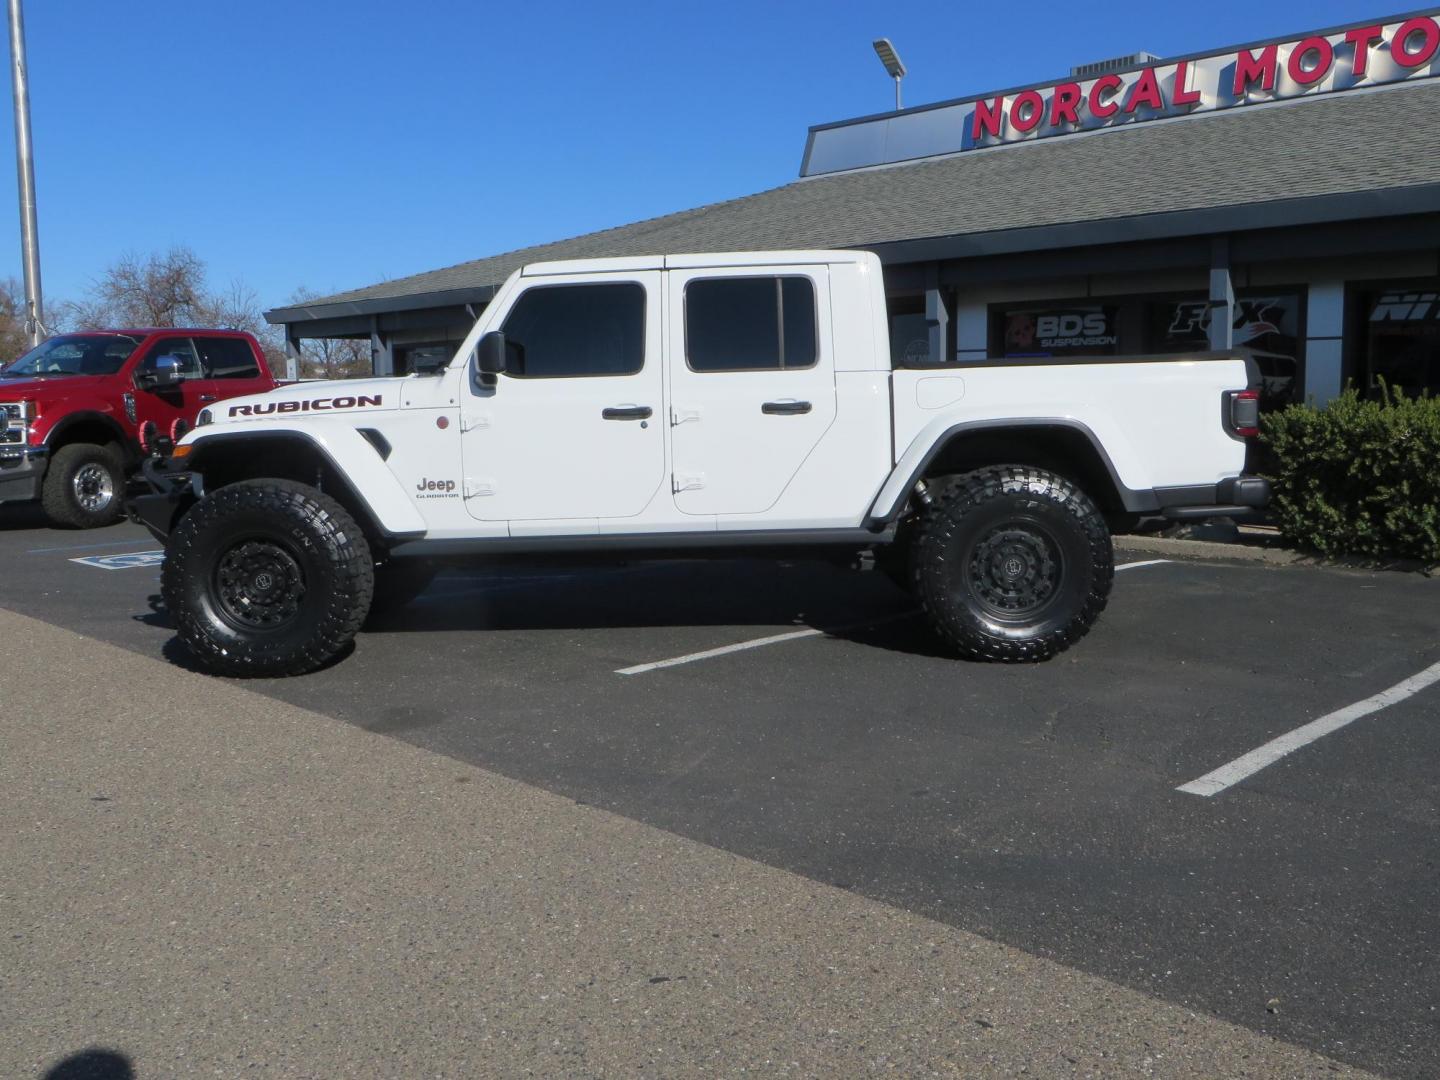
(210, 883)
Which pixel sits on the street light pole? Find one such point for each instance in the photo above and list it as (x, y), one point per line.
(25, 165)
(894, 66)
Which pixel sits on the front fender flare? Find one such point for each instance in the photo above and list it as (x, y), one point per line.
(345, 450)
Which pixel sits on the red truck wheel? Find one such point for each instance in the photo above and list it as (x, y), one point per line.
(84, 487)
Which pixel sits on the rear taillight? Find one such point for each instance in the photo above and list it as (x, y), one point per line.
(1245, 413)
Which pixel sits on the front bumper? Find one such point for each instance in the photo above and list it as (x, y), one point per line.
(171, 494)
(1234, 497)
(22, 470)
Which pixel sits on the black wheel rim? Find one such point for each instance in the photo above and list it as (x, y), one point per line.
(1015, 570)
(259, 585)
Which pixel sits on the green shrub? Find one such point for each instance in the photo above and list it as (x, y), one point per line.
(1358, 477)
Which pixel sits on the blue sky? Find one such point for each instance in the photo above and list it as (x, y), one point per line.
(336, 143)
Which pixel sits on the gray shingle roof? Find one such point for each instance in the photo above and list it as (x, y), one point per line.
(1321, 146)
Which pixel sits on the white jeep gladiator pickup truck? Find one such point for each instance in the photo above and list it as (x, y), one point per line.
(691, 405)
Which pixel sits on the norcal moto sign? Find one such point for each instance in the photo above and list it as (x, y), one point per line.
(1358, 56)
(1346, 58)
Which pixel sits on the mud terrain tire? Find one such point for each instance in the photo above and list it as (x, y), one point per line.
(267, 578)
(1012, 563)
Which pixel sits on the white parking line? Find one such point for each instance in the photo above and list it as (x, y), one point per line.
(756, 643)
(740, 646)
(1227, 776)
(795, 635)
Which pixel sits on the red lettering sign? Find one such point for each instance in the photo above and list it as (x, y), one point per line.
(1146, 91)
(1324, 58)
(988, 119)
(1183, 94)
(1249, 67)
(1026, 111)
(1400, 47)
(1065, 105)
(1104, 86)
(1363, 39)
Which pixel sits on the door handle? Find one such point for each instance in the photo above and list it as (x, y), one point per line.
(628, 412)
(207, 397)
(785, 408)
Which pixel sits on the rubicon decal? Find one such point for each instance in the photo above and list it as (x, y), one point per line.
(266, 408)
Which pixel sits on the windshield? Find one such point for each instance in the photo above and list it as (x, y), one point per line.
(75, 354)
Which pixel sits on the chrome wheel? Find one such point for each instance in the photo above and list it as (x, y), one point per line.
(94, 487)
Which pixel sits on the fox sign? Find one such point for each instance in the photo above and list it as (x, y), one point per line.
(1354, 57)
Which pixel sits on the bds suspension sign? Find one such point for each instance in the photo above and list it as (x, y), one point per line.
(1353, 57)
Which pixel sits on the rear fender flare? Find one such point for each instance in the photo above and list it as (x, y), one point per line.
(926, 447)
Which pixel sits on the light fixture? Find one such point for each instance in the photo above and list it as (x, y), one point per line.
(893, 64)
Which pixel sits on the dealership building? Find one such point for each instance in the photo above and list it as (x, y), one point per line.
(1280, 197)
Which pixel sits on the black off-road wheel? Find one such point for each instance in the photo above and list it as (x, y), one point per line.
(1012, 563)
(84, 487)
(267, 578)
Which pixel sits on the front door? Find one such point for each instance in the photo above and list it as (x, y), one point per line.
(573, 429)
(752, 383)
(178, 401)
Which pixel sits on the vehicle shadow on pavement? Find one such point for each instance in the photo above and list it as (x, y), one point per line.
(93, 1064)
(740, 593)
(158, 615)
(25, 516)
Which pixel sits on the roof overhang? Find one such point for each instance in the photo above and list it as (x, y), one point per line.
(1220, 220)
(377, 305)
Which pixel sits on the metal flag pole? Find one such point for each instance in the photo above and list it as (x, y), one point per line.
(25, 164)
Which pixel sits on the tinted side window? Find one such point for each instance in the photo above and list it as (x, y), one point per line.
(228, 358)
(557, 331)
(750, 324)
(182, 349)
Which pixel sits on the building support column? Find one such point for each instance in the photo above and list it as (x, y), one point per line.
(1222, 296)
(937, 316)
(1322, 376)
(292, 354)
(382, 357)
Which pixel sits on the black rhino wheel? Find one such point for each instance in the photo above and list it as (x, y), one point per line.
(267, 577)
(1012, 563)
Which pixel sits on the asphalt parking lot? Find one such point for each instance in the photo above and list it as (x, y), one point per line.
(1034, 805)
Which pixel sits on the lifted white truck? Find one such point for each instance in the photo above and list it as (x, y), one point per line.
(691, 405)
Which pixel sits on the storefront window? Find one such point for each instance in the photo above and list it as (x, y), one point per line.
(1402, 339)
(1056, 331)
(1266, 327)
(910, 331)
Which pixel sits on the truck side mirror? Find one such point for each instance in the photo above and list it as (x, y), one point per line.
(162, 371)
(490, 354)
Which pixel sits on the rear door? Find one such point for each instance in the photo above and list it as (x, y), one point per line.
(752, 383)
(229, 368)
(574, 427)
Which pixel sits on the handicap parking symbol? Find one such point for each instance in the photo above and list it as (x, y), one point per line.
(123, 562)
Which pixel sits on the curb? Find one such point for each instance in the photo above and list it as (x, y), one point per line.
(1212, 551)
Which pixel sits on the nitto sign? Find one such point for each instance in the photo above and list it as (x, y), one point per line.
(1353, 57)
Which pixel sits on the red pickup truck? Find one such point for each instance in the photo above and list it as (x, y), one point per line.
(79, 412)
